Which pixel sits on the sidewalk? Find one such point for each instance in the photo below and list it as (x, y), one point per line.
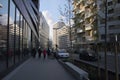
(39, 69)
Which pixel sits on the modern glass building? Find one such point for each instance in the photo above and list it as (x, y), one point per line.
(19, 30)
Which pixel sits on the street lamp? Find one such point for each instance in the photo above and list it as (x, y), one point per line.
(0, 7)
(116, 58)
(106, 24)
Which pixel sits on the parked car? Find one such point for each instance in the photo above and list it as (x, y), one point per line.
(89, 55)
(62, 53)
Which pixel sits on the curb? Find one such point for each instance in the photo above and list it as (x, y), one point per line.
(78, 73)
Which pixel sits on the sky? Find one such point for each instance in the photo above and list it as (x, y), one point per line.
(50, 10)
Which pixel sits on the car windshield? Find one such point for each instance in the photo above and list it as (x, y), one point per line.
(62, 51)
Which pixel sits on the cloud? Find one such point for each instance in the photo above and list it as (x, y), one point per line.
(4, 18)
(49, 20)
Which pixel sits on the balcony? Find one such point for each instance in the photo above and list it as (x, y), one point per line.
(80, 11)
(78, 3)
(89, 38)
(94, 4)
(74, 8)
(81, 21)
(79, 30)
(88, 15)
(90, 2)
(88, 27)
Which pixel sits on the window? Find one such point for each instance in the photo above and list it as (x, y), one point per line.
(110, 11)
(118, 17)
(110, 3)
(102, 36)
(110, 19)
(111, 26)
(102, 21)
(112, 37)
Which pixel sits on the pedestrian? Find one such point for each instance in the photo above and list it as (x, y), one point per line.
(33, 52)
(39, 52)
(48, 52)
(44, 53)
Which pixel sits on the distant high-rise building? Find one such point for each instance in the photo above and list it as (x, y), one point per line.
(61, 36)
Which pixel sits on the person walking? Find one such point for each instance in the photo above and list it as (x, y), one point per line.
(44, 53)
(39, 52)
(48, 52)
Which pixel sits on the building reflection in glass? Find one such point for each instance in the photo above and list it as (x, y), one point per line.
(17, 32)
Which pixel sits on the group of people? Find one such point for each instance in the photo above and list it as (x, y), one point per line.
(40, 52)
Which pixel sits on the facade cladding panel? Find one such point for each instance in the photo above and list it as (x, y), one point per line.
(30, 11)
(25, 11)
(36, 10)
(36, 2)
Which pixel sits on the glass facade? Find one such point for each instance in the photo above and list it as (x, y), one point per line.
(3, 32)
(18, 31)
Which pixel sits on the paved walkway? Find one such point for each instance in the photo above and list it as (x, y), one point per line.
(39, 69)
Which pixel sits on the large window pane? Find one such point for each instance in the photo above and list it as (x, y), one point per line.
(11, 33)
(17, 36)
(3, 32)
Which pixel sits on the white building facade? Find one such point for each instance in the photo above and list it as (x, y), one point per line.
(60, 36)
(43, 32)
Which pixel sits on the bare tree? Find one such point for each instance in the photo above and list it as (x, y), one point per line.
(66, 12)
(66, 16)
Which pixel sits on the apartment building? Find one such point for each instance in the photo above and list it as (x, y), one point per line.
(85, 22)
(113, 20)
(56, 27)
(63, 37)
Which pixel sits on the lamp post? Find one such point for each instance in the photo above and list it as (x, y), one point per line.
(106, 71)
(0, 7)
(116, 59)
(69, 1)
